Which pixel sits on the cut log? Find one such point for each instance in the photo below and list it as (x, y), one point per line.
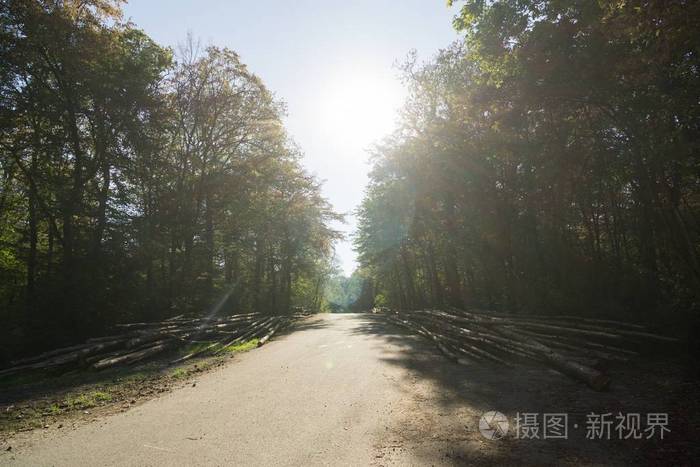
(252, 330)
(280, 323)
(579, 348)
(592, 377)
(132, 357)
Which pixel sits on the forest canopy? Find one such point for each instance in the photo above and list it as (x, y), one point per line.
(137, 183)
(546, 163)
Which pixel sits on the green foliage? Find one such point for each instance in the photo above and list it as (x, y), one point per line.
(101, 396)
(179, 373)
(352, 293)
(380, 300)
(547, 163)
(87, 400)
(135, 185)
(242, 346)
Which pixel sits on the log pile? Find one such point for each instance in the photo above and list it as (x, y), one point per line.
(135, 342)
(582, 348)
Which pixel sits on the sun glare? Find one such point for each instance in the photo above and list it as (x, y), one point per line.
(359, 107)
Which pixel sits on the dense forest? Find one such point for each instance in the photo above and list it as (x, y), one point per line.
(137, 183)
(546, 163)
(525, 285)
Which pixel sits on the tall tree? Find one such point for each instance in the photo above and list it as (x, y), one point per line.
(547, 162)
(136, 185)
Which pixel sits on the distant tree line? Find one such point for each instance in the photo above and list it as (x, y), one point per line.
(548, 162)
(136, 185)
(348, 294)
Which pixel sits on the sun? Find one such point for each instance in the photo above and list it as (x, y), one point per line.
(359, 106)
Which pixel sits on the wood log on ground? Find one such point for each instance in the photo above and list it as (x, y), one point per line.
(551, 318)
(485, 338)
(75, 356)
(488, 343)
(592, 377)
(211, 347)
(605, 326)
(280, 324)
(526, 344)
(578, 347)
(252, 330)
(138, 341)
(46, 355)
(132, 357)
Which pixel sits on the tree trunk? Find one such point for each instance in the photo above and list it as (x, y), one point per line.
(209, 238)
(31, 259)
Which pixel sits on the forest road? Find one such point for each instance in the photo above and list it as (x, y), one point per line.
(338, 389)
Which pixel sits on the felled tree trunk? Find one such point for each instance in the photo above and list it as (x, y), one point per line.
(581, 348)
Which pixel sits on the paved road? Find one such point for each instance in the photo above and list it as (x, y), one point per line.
(339, 390)
(323, 394)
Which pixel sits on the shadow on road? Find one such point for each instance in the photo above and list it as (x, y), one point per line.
(306, 324)
(462, 393)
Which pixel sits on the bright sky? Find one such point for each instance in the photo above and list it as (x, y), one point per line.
(331, 61)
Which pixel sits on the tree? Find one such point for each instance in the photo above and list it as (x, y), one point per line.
(548, 162)
(138, 186)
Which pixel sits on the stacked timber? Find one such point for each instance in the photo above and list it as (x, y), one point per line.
(581, 348)
(136, 342)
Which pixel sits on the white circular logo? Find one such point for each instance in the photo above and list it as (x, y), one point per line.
(493, 425)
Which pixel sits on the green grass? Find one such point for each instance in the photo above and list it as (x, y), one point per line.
(101, 396)
(81, 401)
(179, 373)
(243, 346)
(88, 400)
(240, 347)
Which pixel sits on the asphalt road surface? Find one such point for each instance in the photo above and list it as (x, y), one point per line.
(341, 389)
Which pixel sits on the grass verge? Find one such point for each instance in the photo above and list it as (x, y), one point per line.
(32, 401)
